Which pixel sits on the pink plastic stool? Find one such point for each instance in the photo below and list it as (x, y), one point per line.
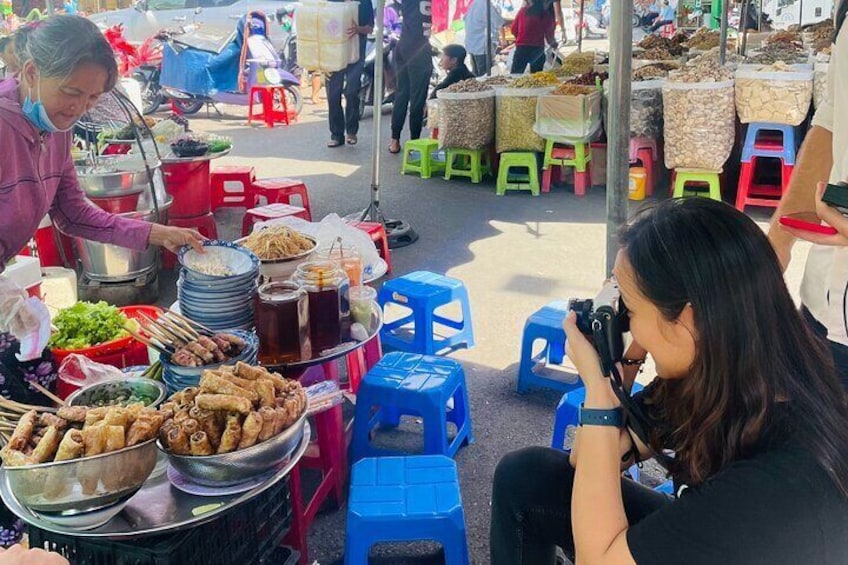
(377, 232)
(280, 190)
(360, 362)
(644, 150)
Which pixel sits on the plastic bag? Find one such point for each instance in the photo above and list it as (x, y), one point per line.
(646, 109)
(574, 118)
(79, 370)
(775, 97)
(515, 118)
(820, 83)
(465, 119)
(699, 124)
(26, 318)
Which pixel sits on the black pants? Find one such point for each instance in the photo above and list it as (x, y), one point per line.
(479, 64)
(347, 82)
(531, 506)
(413, 85)
(839, 351)
(659, 24)
(648, 18)
(527, 55)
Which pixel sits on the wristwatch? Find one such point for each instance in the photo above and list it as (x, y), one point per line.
(593, 417)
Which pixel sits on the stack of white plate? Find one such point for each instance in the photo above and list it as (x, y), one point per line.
(216, 288)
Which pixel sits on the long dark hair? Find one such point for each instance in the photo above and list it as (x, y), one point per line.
(759, 376)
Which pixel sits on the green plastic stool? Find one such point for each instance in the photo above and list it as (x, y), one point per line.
(425, 165)
(508, 180)
(582, 156)
(682, 177)
(473, 164)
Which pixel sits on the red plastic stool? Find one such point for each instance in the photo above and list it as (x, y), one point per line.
(268, 95)
(270, 212)
(582, 179)
(204, 224)
(668, 30)
(280, 190)
(377, 231)
(360, 362)
(223, 198)
(749, 193)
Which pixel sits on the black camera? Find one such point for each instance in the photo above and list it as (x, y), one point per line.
(604, 320)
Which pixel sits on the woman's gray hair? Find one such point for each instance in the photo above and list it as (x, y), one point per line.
(60, 44)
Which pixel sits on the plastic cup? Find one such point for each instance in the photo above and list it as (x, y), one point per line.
(361, 305)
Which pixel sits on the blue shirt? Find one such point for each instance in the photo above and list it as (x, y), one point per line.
(667, 14)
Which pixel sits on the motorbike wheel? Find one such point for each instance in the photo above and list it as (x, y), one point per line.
(151, 95)
(188, 107)
(636, 21)
(293, 99)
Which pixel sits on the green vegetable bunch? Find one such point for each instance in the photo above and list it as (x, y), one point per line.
(85, 324)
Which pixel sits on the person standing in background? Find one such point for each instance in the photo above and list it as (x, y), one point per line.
(475, 35)
(533, 28)
(414, 67)
(348, 82)
(668, 14)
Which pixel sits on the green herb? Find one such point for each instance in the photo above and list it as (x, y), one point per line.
(85, 324)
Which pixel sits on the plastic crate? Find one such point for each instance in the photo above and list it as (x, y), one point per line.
(249, 534)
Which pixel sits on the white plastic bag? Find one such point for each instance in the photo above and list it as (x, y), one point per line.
(568, 118)
(773, 96)
(26, 318)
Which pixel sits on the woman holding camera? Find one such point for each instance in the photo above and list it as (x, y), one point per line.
(747, 400)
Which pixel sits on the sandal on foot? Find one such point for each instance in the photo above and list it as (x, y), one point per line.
(394, 146)
(351, 140)
(335, 143)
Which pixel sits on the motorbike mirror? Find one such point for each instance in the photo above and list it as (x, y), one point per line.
(198, 10)
(140, 6)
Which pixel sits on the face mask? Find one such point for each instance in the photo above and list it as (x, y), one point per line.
(36, 113)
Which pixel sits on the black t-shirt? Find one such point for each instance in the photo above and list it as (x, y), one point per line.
(366, 18)
(777, 507)
(415, 29)
(456, 75)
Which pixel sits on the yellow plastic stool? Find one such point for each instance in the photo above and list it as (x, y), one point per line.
(682, 177)
(508, 180)
(474, 164)
(425, 165)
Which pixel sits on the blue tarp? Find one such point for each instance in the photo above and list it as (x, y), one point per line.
(200, 72)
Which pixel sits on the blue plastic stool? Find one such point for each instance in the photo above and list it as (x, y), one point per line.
(403, 383)
(545, 324)
(423, 292)
(567, 413)
(402, 499)
(768, 148)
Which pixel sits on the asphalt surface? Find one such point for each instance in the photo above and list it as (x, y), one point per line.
(515, 253)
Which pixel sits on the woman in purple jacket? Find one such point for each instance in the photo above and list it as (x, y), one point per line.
(66, 65)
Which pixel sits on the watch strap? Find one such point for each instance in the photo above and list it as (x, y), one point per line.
(595, 417)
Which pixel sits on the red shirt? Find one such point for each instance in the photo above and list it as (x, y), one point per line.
(533, 30)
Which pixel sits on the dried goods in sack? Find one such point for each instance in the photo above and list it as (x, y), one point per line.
(515, 118)
(646, 109)
(466, 111)
(569, 114)
(778, 94)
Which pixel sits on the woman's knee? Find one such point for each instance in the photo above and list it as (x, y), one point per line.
(520, 473)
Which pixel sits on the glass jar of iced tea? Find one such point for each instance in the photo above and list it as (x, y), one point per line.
(281, 316)
(326, 284)
(346, 257)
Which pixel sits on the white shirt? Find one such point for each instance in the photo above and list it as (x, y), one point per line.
(825, 283)
(475, 27)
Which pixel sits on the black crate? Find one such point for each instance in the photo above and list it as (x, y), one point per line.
(247, 535)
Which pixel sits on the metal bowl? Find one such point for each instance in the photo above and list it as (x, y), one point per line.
(282, 269)
(239, 466)
(117, 176)
(119, 387)
(90, 485)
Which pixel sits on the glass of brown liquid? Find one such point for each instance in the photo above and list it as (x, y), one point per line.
(281, 316)
(324, 281)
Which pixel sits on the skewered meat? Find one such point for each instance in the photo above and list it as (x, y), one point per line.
(234, 340)
(208, 350)
(185, 358)
(207, 344)
(201, 352)
(223, 344)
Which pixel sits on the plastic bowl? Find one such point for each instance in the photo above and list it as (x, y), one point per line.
(241, 465)
(59, 489)
(237, 260)
(116, 388)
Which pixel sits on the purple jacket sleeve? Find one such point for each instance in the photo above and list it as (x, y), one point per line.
(74, 215)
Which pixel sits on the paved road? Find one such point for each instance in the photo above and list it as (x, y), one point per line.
(515, 253)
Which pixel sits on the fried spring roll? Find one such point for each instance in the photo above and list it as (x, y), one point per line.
(94, 439)
(48, 419)
(115, 438)
(182, 413)
(250, 430)
(224, 402)
(23, 431)
(265, 389)
(95, 416)
(200, 444)
(74, 414)
(71, 446)
(269, 417)
(190, 426)
(231, 377)
(14, 458)
(232, 434)
(211, 383)
(140, 431)
(116, 416)
(47, 446)
(214, 428)
(178, 441)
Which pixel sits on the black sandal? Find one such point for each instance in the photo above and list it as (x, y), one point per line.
(351, 140)
(335, 143)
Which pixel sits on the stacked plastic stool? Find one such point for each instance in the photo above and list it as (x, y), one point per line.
(269, 97)
(281, 190)
(377, 232)
(403, 499)
(684, 179)
(775, 141)
(568, 412)
(644, 150)
(546, 325)
(577, 156)
(425, 165)
(224, 194)
(420, 385)
(468, 163)
(423, 292)
(518, 170)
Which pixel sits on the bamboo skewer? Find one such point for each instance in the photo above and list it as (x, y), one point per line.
(192, 323)
(170, 316)
(152, 326)
(48, 394)
(155, 345)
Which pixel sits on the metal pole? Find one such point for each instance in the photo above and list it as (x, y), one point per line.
(760, 17)
(618, 118)
(723, 32)
(801, 14)
(374, 209)
(743, 28)
(488, 37)
(580, 21)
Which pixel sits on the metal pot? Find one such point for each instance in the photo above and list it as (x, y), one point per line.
(115, 175)
(107, 262)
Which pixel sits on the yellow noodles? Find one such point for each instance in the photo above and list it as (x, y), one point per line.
(277, 242)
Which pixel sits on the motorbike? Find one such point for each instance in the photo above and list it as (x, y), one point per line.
(200, 69)
(142, 63)
(288, 53)
(593, 27)
(366, 92)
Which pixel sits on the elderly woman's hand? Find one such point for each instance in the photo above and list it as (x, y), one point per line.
(832, 217)
(17, 555)
(172, 238)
